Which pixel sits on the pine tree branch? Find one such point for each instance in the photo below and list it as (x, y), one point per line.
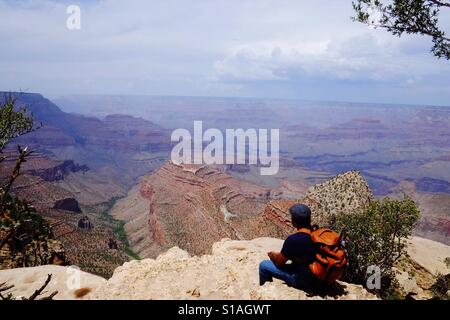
(423, 32)
(440, 3)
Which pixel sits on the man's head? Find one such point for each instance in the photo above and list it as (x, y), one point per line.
(300, 215)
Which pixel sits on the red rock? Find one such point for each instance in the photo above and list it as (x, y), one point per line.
(192, 206)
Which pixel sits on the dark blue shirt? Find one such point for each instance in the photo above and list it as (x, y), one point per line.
(299, 248)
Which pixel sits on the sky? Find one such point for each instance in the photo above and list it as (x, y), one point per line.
(231, 48)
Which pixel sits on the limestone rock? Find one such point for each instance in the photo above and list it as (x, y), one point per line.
(343, 194)
(230, 272)
(69, 282)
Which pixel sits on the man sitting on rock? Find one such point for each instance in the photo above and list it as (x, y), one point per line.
(298, 248)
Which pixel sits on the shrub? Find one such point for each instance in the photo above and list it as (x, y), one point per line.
(447, 262)
(377, 236)
(441, 287)
(14, 121)
(21, 228)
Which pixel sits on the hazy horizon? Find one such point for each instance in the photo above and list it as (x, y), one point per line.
(374, 103)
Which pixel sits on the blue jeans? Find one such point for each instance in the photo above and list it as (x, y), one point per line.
(292, 275)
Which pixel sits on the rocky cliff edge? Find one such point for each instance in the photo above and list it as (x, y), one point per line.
(230, 272)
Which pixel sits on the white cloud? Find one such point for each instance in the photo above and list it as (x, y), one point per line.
(197, 47)
(363, 57)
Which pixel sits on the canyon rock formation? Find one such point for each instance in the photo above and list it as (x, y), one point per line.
(345, 193)
(192, 206)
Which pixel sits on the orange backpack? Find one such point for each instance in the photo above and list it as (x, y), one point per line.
(331, 258)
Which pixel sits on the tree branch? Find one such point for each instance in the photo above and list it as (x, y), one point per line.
(39, 291)
(16, 172)
(423, 32)
(50, 297)
(440, 3)
(407, 16)
(4, 287)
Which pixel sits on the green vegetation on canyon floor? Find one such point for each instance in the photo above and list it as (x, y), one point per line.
(118, 227)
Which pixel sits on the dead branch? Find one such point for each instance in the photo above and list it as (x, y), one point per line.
(4, 190)
(50, 297)
(23, 153)
(4, 287)
(39, 291)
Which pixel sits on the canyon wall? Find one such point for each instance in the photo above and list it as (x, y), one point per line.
(191, 207)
